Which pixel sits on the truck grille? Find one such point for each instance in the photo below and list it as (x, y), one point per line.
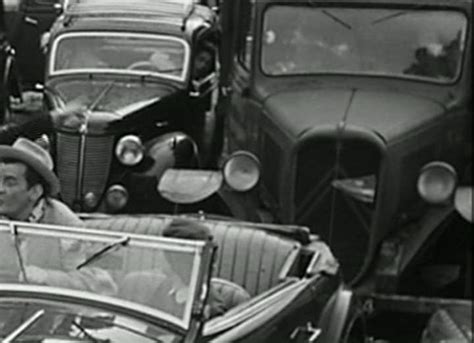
(343, 221)
(97, 160)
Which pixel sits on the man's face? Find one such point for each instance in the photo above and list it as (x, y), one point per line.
(16, 199)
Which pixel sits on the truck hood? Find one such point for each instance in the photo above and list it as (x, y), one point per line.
(388, 114)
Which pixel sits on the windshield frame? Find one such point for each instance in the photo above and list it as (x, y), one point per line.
(355, 6)
(38, 294)
(202, 251)
(126, 72)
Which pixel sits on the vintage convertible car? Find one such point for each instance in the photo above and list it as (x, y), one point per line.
(343, 102)
(292, 279)
(150, 93)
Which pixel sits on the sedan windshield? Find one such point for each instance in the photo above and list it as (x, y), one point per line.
(122, 53)
(420, 44)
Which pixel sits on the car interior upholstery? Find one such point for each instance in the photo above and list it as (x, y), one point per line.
(253, 258)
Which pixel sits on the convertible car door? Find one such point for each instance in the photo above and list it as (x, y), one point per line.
(292, 317)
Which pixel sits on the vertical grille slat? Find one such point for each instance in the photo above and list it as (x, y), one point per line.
(97, 161)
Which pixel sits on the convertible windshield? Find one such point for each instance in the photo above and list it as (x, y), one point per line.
(123, 53)
(163, 275)
(26, 315)
(421, 44)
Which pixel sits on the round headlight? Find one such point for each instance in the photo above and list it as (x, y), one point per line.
(242, 171)
(437, 182)
(129, 150)
(116, 197)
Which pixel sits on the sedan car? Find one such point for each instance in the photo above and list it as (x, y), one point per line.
(150, 96)
(291, 278)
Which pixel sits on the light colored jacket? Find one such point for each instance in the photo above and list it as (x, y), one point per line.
(57, 258)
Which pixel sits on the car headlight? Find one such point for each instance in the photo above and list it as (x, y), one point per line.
(116, 197)
(241, 171)
(437, 182)
(129, 150)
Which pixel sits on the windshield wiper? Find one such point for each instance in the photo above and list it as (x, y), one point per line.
(395, 15)
(87, 334)
(100, 96)
(336, 19)
(118, 244)
(332, 16)
(24, 326)
(388, 17)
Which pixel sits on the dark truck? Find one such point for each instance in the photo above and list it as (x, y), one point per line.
(344, 102)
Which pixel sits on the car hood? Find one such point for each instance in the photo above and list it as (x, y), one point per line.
(388, 114)
(118, 95)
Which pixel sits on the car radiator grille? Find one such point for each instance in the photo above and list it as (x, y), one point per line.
(97, 160)
(343, 221)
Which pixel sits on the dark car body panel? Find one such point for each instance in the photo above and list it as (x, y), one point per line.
(390, 115)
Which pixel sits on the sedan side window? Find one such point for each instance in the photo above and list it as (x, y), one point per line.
(203, 70)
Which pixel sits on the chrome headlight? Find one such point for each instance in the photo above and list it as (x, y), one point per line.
(129, 150)
(241, 171)
(437, 182)
(116, 197)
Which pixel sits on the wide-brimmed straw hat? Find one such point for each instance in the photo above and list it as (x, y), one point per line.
(35, 157)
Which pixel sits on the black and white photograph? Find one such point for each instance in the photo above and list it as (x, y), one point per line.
(236, 171)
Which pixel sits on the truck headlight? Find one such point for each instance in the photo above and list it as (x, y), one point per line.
(241, 171)
(437, 182)
(129, 150)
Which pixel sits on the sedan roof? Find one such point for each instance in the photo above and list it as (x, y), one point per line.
(176, 17)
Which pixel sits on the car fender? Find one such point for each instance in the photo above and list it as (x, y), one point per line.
(174, 149)
(342, 319)
(240, 204)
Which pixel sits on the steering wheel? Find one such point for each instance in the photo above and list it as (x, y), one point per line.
(141, 65)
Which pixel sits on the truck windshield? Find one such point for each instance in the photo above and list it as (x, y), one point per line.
(417, 44)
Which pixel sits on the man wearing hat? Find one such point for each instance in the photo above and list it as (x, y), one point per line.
(169, 293)
(28, 184)
(27, 187)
